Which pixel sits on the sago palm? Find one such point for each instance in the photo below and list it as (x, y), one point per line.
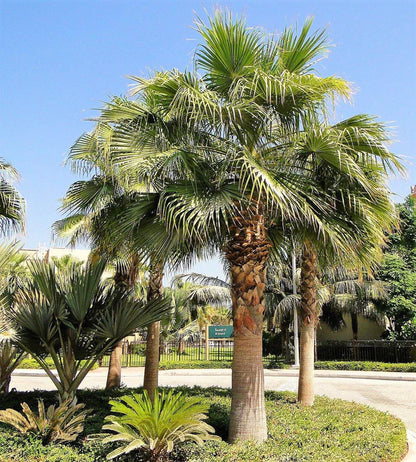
(156, 426)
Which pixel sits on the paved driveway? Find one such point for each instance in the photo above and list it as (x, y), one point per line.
(392, 392)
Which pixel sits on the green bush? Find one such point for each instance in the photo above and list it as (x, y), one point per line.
(269, 362)
(365, 366)
(30, 363)
(330, 431)
(272, 343)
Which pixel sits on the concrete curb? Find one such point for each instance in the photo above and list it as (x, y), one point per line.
(372, 375)
(411, 441)
(295, 373)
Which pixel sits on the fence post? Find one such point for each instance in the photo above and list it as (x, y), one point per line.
(206, 342)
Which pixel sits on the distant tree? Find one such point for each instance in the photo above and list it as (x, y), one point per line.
(398, 271)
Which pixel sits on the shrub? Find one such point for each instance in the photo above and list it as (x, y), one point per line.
(56, 424)
(156, 427)
(331, 430)
(365, 366)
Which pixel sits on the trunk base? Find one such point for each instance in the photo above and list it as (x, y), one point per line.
(306, 368)
(151, 367)
(248, 413)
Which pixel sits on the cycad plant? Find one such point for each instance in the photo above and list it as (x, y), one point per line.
(74, 319)
(56, 424)
(155, 427)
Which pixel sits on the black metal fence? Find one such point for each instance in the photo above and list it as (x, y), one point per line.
(222, 350)
(368, 350)
(134, 352)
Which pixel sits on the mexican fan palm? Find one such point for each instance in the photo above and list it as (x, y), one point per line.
(83, 203)
(361, 212)
(232, 186)
(12, 205)
(73, 319)
(228, 152)
(112, 210)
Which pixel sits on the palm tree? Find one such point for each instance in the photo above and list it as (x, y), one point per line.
(228, 152)
(95, 211)
(12, 205)
(360, 201)
(83, 204)
(354, 293)
(235, 186)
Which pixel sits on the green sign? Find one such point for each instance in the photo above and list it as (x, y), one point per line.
(220, 331)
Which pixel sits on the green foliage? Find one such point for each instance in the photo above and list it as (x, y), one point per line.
(55, 424)
(30, 363)
(10, 359)
(13, 272)
(12, 204)
(156, 427)
(398, 270)
(333, 430)
(74, 319)
(365, 366)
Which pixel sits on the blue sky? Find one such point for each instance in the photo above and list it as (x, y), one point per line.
(62, 59)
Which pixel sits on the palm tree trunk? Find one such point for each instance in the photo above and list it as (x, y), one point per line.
(127, 280)
(354, 326)
(151, 366)
(247, 254)
(307, 333)
(114, 368)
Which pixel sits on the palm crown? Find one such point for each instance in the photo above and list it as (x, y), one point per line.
(240, 152)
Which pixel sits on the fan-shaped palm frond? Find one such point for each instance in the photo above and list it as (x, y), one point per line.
(74, 319)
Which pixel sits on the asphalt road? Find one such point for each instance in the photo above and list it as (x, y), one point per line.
(391, 392)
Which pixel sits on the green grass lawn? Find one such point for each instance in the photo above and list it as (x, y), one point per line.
(330, 431)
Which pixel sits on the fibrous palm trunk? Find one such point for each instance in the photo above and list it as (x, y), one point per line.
(247, 254)
(307, 333)
(128, 280)
(114, 367)
(151, 367)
